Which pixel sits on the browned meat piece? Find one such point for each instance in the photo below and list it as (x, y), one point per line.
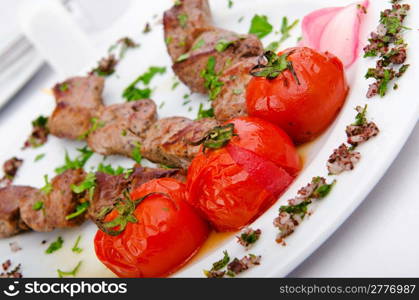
(10, 221)
(78, 101)
(39, 134)
(110, 187)
(10, 168)
(169, 141)
(62, 201)
(121, 127)
(32, 209)
(226, 47)
(183, 23)
(231, 101)
(142, 175)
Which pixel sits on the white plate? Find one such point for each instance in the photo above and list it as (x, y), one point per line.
(396, 114)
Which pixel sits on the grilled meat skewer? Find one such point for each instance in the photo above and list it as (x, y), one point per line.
(23, 208)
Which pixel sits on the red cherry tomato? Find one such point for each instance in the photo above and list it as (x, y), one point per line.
(168, 232)
(233, 185)
(303, 108)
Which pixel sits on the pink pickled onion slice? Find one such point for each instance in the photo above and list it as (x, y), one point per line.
(265, 173)
(313, 26)
(335, 30)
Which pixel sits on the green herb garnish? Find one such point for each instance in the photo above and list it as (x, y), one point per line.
(260, 26)
(136, 153)
(77, 163)
(222, 45)
(80, 209)
(73, 273)
(39, 157)
(47, 188)
(76, 248)
(38, 205)
(212, 82)
(204, 113)
(218, 137)
(54, 246)
(133, 93)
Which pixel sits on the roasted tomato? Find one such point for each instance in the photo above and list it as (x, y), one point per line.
(162, 233)
(234, 184)
(303, 99)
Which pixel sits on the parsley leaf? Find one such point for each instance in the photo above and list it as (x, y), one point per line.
(89, 184)
(54, 246)
(183, 20)
(212, 82)
(204, 113)
(218, 265)
(39, 157)
(77, 163)
(222, 45)
(76, 248)
(73, 272)
(95, 125)
(38, 205)
(80, 209)
(47, 188)
(285, 32)
(132, 93)
(136, 154)
(260, 26)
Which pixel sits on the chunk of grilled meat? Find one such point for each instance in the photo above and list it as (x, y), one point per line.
(169, 141)
(121, 127)
(10, 221)
(33, 210)
(111, 187)
(62, 201)
(10, 168)
(226, 47)
(183, 23)
(231, 101)
(78, 100)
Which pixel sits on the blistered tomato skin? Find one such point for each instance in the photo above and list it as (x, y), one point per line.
(168, 233)
(233, 185)
(303, 109)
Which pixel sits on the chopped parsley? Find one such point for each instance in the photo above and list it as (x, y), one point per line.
(136, 153)
(123, 44)
(175, 85)
(63, 87)
(41, 121)
(249, 237)
(80, 209)
(198, 44)
(211, 78)
(108, 169)
(77, 163)
(260, 26)
(204, 113)
(73, 272)
(133, 93)
(39, 157)
(54, 246)
(38, 205)
(183, 20)
(222, 45)
(76, 248)
(360, 118)
(182, 57)
(285, 34)
(88, 184)
(218, 265)
(47, 188)
(95, 125)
